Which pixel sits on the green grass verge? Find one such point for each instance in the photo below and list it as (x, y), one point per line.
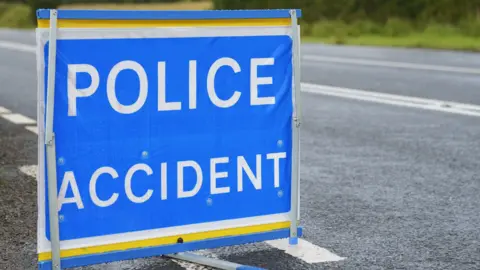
(395, 32)
(463, 43)
(186, 5)
(15, 16)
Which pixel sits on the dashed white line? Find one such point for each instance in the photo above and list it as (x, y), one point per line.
(390, 64)
(18, 119)
(33, 129)
(4, 110)
(305, 251)
(30, 170)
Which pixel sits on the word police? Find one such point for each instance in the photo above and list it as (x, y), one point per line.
(75, 93)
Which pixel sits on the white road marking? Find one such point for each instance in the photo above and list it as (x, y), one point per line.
(397, 100)
(30, 170)
(390, 64)
(17, 46)
(305, 251)
(18, 119)
(33, 129)
(4, 110)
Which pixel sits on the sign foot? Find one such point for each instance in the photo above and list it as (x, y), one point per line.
(215, 263)
(293, 241)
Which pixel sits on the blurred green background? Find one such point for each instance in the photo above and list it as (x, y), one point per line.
(442, 24)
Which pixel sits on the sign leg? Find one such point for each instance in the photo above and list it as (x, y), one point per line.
(50, 143)
(296, 132)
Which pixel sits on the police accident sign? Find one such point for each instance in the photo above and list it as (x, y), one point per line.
(167, 131)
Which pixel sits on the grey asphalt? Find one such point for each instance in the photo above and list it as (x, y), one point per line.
(385, 187)
(450, 86)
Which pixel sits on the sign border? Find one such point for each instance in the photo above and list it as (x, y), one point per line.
(274, 232)
(168, 14)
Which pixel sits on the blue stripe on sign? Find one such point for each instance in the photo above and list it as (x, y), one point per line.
(170, 249)
(243, 267)
(168, 15)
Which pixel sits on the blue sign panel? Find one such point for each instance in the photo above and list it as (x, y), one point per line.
(161, 132)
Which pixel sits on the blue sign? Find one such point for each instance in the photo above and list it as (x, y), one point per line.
(171, 131)
(166, 138)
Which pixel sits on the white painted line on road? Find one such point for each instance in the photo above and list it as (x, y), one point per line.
(17, 46)
(397, 100)
(305, 251)
(33, 129)
(4, 110)
(30, 170)
(18, 119)
(389, 64)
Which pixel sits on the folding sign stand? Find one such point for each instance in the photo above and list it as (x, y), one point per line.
(174, 251)
(50, 142)
(215, 263)
(295, 195)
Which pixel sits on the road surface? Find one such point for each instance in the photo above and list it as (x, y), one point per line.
(390, 161)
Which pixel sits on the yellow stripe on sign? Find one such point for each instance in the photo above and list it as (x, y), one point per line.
(161, 241)
(65, 23)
